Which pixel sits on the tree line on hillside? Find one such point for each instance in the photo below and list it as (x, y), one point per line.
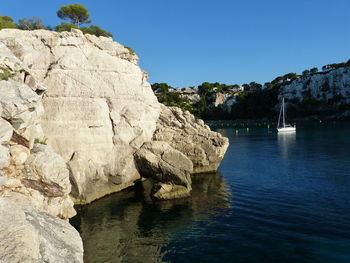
(254, 102)
(75, 14)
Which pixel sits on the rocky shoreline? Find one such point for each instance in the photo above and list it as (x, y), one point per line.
(78, 121)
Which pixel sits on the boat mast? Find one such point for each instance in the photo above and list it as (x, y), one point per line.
(279, 117)
(284, 121)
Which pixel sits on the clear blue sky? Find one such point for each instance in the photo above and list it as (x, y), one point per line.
(187, 42)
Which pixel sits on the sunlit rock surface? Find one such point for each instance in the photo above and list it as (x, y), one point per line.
(205, 148)
(98, 106)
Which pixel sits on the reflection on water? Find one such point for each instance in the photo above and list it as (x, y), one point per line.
(129, 227)
(286, 142)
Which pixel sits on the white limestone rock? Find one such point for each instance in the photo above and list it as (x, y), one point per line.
(192, 137)
(99, 107)
(169, 169)
(19, 154)
(47, 167)
(8, 60)
(6, 131)
(162, 162)
(23, 107)
(331, 88)
(4, 156)
(28, 235)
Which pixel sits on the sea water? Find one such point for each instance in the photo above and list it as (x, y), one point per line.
(275, 198)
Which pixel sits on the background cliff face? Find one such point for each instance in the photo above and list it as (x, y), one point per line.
(98, 105)
(324, 92)
(310, 95)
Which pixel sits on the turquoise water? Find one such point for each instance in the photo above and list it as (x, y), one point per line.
(276, 198)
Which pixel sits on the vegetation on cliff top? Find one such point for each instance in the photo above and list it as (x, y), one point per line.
(76, 14)
(7, 22)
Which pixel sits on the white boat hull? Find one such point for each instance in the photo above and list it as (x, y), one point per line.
(287, 129)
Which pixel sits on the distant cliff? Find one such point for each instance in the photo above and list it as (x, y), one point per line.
(324, 93)
(313, 94)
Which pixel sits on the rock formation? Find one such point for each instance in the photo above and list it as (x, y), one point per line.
(192, 137)
(99, 109)
(34, 180)
(78, 120)
(169, 168)
(98, 106)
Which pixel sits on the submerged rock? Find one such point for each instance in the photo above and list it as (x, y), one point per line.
(170, 191)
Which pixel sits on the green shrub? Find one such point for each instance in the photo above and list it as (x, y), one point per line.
(37, 140)
(132, 52)
(5, 74)
(7, 22)
(96, 30)
(314, 70)
(64, 27)
(92, 30)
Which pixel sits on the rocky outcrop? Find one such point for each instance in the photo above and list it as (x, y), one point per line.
(88, 100)
(36, 175)
(23, 107)
(98, 106)
(192, 137)
(98, 109)
(34, 180)
(169, 169)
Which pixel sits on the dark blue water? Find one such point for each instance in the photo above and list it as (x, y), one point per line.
(276, 198)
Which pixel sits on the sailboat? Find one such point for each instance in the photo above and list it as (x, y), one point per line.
(285, 127)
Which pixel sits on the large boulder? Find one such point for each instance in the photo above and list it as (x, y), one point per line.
(28, 235)
(99, 107)
(161, 161)
(168, 168)
(185, 133)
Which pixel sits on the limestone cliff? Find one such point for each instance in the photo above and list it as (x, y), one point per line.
(88, 100)
(97, 109)
(320, 92)
(98, 106)
(34, 180)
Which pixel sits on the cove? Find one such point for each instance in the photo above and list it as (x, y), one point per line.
(275, 199)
